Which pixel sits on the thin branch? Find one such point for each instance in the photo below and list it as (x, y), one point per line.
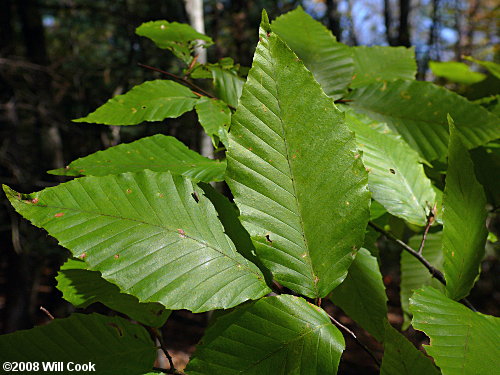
(51, 317)
(433, 271)
(184, 81)
(180, 79)
(163, 347)
(351, 333)
(430, 220)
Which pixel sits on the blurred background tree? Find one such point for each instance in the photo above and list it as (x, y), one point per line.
(61, 59)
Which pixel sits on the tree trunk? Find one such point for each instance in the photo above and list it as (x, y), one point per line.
(471, 27)
(432, 44)
(459, 27)
(404, 28)
(6, 29)
(333, 18)
(194, 9)
(388, 23)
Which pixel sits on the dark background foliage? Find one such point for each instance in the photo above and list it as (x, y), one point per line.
(60, 59)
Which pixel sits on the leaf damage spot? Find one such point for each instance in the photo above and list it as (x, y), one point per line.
(134, 110)
(268, 239)
(129, 191)
(181, 232)
(195, 196)
(117, 327)
(82, 256)
(59, 214)
(392, 171)
(116, 256)
(405, 95)
(35, 200)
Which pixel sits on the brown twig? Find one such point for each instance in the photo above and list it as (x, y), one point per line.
(185, 82)
(430, 221)
(180, 79)
(353, 335)
(437, 274)
(157, 335)
(51, 317)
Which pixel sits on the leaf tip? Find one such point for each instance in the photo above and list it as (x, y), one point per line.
(266, 26)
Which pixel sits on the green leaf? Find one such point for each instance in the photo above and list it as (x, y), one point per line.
(487, 169)
(464, 221)
(149, 101)
(330, 61)
(275, 335)
(462, 341)
(493, 67)
(82, 288)
(287, 143)
(215, 118)
(402, 358)
(159, 153)
(227, 85)
(113, 344)
(414, 275)
(377, 63)
(154, 235)
(179, 38)
(417, 111)
(456, 72)
(396, 178)
(229, 217)
(362, 295)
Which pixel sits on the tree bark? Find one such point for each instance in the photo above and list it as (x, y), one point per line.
(432, 41)
(388, 23)
(404, 26)
(471, 27)
(6, 29)
(333, 18)
(194, 9)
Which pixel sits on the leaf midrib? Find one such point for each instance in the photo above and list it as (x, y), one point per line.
(308, 259)
(210, 246)
(283, 345)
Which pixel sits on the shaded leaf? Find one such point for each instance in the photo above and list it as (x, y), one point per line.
(417, 111)
(462, 341)
(159, 153)
(378, 63)
(113, 344)
(229, 217)
(147, 234)
(149, 101)
(414, 275)
(362, 294)
(330, 61)
(82, 288)
(456, 72)
(464, 221)
(396, 178)
(275, 335)
(487, 169)
(215, 117)
(227, 85)
(402, 358)
(493, 67)
(179, 38)
(278, 176)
